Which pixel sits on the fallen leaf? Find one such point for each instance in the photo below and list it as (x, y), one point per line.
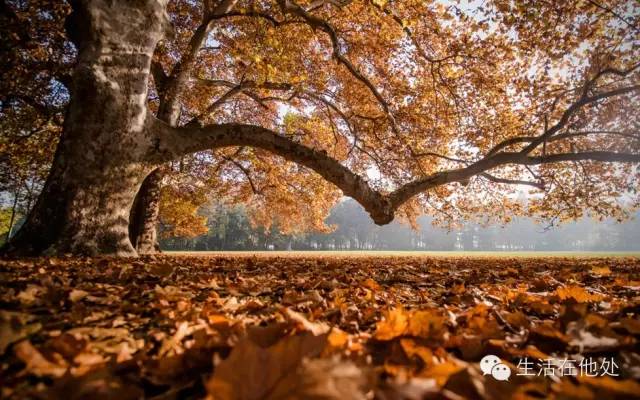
(601, 270)
(15, 326)
(577, 293)
(317, 328)
(426, 324)
(29, 295)
(252, 372)
(36, 363)
(393, 324)
(77, 295)
(325, 379)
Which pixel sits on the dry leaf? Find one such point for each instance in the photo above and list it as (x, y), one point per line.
(14, 327)
(252, 372)
(36, 363)
(393, 324)
(77, 295)
(577, 293)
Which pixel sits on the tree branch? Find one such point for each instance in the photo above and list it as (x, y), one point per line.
(496, 179)
(235, 88)
(535, 141)
(173, 142)
(175, 83)
(159, 76)
(601, 156)
(615, 14)
(404, 193)
(289, 6)
(246, 173)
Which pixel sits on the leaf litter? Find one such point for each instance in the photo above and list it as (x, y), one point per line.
(244, 328)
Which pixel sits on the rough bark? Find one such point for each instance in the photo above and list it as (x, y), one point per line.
(144, 214)
(99, 163)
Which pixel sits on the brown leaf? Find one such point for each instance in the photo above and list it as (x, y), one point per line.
(426, 324)
(394, 324)
(36, 363)
(14, 327)
(577, 293)
(30, 294)
(253, 372)
(325, 379)
(77, 295)
(317, 328)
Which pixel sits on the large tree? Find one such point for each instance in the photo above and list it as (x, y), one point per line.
(441, 107)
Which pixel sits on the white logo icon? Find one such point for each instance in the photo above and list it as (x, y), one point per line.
(492, 365)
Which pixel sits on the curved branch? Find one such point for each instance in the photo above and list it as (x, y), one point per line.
(556, 138)
(601, 156)
(174, 142)
(250, 14)
(234, 89)
(575, 107)
(246, 173)
(404, 193)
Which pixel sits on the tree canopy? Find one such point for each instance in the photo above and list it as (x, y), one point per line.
(449, 108)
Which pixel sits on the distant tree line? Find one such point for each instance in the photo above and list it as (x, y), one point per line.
(231, 229)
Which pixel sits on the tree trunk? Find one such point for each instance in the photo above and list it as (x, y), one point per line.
(99, 164)
(143, 225)
(110, 141)
(13, 215)
(144, 216)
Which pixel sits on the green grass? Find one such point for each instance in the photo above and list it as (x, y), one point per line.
(383, 253)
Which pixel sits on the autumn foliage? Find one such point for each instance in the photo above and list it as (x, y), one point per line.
(243, 327)
(399, 92)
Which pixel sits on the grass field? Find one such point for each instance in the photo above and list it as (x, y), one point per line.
(413, 254)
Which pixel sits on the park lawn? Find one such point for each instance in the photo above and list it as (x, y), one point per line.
(255, 325)
(410, 253)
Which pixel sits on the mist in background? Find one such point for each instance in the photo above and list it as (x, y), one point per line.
(230, 229)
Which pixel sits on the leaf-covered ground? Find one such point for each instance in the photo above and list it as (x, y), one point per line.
(170, 327)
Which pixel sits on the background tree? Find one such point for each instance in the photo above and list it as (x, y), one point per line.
(445, 107)
(231, 228)
(36, 62)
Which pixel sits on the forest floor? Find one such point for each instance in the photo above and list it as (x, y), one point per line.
(272, 327)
